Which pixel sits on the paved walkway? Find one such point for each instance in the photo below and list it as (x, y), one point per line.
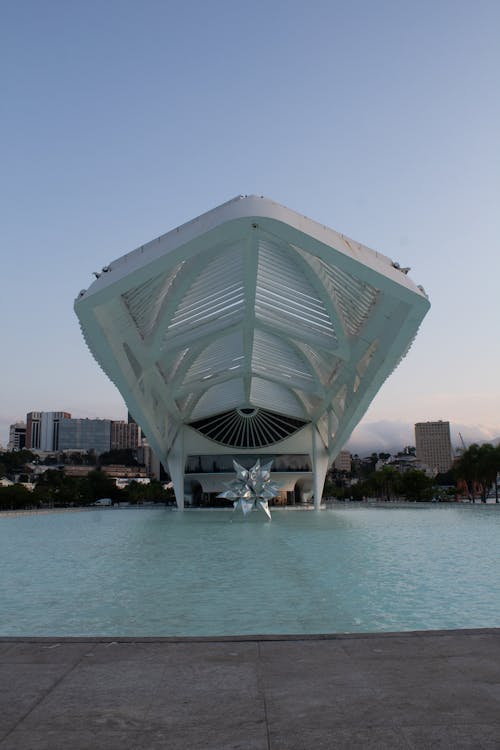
(412, 691)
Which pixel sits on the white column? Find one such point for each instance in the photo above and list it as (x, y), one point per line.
(176, 462)
(320, 466)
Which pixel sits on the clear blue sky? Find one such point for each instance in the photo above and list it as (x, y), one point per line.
(121, 120)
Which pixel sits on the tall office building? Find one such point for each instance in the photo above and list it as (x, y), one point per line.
(85, 435)
(433, 444)
(42, 429)
(17, 436)
(125, 435)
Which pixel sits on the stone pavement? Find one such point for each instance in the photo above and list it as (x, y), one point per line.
(407, 690)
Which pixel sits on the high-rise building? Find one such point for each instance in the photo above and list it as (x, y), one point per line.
(433, 444)
(85, 435)
(125, 435)
(343, 461)
(42, 429)
(33, 424)
(17, 436)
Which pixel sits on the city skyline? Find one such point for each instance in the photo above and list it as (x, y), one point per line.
(381, 124)
(369, 437)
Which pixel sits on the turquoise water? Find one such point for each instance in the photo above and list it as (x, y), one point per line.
(156, 572)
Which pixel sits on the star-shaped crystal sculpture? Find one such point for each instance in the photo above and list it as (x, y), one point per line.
(252, 488)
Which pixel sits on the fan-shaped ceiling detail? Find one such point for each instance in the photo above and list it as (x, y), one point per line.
(248, 427)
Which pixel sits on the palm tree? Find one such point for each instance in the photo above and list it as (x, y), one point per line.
(466, 469)
(478, 466)
(488, 467)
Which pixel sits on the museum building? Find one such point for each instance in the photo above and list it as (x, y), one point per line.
(251, 331)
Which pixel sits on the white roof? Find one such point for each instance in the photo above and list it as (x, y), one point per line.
(248, 310)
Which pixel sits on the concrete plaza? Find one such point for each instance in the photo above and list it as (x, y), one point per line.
(406, 690)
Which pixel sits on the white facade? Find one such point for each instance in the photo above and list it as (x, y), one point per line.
(42, 429)
(251, 329)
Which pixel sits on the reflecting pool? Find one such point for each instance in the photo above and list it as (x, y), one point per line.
(157, 572)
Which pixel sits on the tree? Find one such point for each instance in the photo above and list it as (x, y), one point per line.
(488, 458)
(55, 488)
(15, 497)
(14, 462)
(385, 482)
(122, 456)
(101, 485)
(478, 467)
(138, 492)
(416, 485)
(466, 469)
(497, 461)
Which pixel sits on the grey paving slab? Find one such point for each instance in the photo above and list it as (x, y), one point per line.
(126, 653)
(444, 703)
(395, 674)
(98, 696)
(215, 687)
(473, 644)
(22, 687)
(44, 653)
(401, 691)
(402, 646)
(286, 663)
(222, 708)
(340, 738)
(245, 736)
(459, 737)
(80, 739)
(485, 669)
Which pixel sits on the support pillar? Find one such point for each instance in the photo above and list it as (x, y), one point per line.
(176, 462)
(320, 466)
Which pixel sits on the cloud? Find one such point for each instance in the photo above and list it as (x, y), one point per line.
(382, 436)
(392, 436)
(473, 434)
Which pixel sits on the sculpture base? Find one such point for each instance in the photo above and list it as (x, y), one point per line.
(247, 505)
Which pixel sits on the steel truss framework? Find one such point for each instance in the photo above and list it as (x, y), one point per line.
(250, 327)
